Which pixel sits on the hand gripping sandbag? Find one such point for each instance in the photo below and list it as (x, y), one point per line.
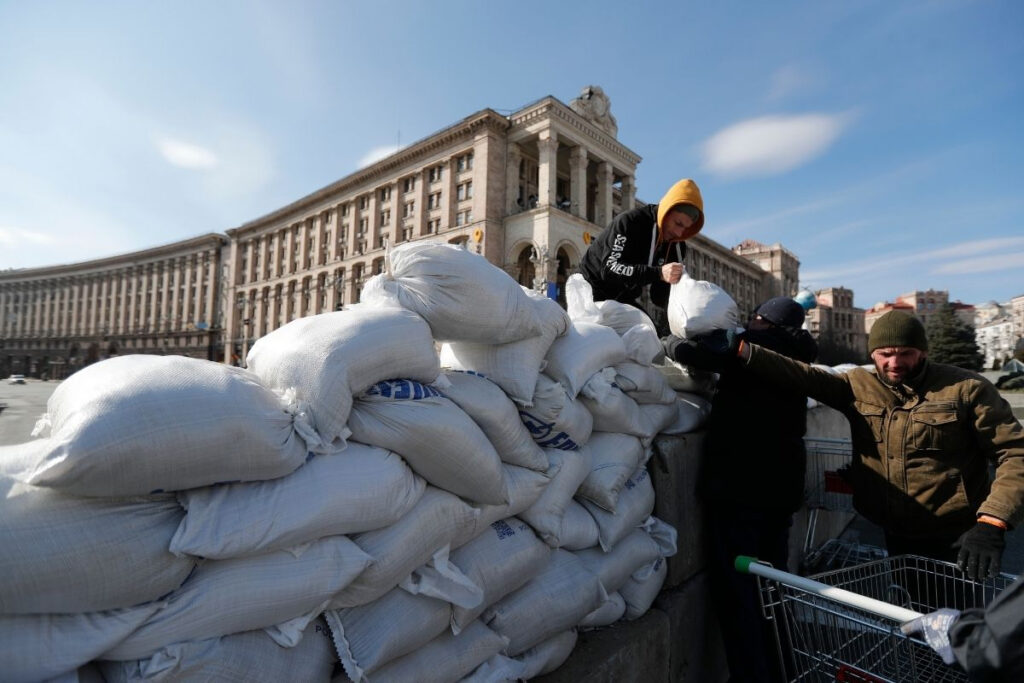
(64, 553)
(139, 424)
(360, 489)
(697, 307)
(460, 294)
(329, 358)
(439, 441)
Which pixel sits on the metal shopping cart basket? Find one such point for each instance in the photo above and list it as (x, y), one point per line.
(844, 625)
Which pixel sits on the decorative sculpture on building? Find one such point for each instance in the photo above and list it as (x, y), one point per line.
(593, 105)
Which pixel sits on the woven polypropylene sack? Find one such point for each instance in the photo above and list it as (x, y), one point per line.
(369, 636)
(585, 349)
(461, 295)
(607, 614)
(613, 410)
(697, 307)
(438, 439)
(692, 412)
(500, 560)
(397, 550)
(328, 358)
(634, 505)
(359, 489)
(579, 529)
(545, 515)
(38, 647)
(613, 458)
(615, 566)
(546, 656)
(248, 593)
(139, 424)
(514, 366)
(524, 488)
(63, 553)
(446, 658)
(643, 383)
(498, 417)
(251, 656)
(638, 595)
(556, 419)
(555, 600)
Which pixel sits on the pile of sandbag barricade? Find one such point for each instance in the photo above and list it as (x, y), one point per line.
(345, 498)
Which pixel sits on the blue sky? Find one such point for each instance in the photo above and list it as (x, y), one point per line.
(882, 142)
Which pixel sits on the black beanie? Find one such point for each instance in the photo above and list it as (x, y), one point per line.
(782, 311)
(897, 328)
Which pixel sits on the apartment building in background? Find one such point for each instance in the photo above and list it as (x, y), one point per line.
(527, 191)
(836, 321)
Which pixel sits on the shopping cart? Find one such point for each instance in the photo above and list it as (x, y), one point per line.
(844, 625)
(828, 491)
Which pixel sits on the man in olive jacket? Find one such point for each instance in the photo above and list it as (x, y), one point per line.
(923, 436)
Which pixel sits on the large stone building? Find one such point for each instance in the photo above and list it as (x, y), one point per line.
(527, 191)
(837, 322)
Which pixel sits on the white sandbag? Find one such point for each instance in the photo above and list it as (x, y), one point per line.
(328, 358)
(499, 561)
(63, 553)
(38, 647)
(607, 614)
(514, 366)
(248, 593)
(693, 412)
(579, 296)
(396, 550)
(548, 655)
(582, 351)
(553, 601)
(497, 669)
(684, 378)
(634, 505)
(639, 595)
(359, 489)
(524, 488)
(369, 636)
(140, 424)
(643, 383)
(497, 416)
(613, 458)
(662, 416)
(555, 419)
(545, 515)
(250, 656)
(637, 550)
(446, 658)
(611, 409)
(697, 307)
(438, 439)
(642, 344)
(579, 530)
(461, 295)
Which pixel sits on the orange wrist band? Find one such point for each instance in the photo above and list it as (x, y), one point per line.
(994, 521)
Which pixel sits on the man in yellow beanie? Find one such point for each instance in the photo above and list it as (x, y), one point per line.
(645, 246)
(923, 437)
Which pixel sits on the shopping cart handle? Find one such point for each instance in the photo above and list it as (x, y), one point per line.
(751, 565)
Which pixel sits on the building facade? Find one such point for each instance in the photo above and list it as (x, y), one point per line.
(55, 320)
(527, 191)
(996, 340)
(838, 322)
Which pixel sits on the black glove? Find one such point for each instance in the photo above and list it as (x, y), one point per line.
(981, 550)
(720, 342)
(690, 352)
(934, 629)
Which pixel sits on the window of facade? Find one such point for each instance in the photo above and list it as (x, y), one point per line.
(385, 217)
(464, 217)
(385, 194)
(464, 190)
(435, 173)
(408, 209)
(406, 234)
(434, 225)
(434, 200)
(344, 209)
(363, 223)
(409, 184)
(364, 201)
(464, 162)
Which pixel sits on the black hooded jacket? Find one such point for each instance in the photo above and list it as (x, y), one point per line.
(626, 256)
(755, 449)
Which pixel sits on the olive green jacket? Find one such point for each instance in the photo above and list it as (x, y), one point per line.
(921, 454)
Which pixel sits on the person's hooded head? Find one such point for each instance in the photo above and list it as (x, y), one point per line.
(680, 212)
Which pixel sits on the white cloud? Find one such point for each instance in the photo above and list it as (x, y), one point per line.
(376, 154)
(187, 155)
(13, 237)
(983, 264)
(770, 145)
(789, 80)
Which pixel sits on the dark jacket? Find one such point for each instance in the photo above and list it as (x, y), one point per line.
(755, 448)
(989, 643)
(626, 256)
(922, 450)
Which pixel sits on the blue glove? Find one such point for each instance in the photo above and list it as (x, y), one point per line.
(934, 629)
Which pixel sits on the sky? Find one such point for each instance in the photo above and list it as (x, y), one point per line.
(881, 142)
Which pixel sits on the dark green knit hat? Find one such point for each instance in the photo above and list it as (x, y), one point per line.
(897, 328)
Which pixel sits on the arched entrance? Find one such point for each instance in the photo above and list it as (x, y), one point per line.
(525, 267)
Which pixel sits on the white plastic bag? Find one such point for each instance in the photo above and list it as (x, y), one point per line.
(696, 307)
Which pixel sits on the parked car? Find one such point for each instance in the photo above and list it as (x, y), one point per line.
(16, 379)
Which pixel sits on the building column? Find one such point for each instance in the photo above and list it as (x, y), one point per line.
(603, 210)
(513, 202)
(420, 222)
(578, 181)
(197, 298)
(304, 231)
(547, 177)
(628, 192)
(165, 300)
(448, 200)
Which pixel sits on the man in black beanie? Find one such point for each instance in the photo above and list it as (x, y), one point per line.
(923, 437)
(752, 480)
